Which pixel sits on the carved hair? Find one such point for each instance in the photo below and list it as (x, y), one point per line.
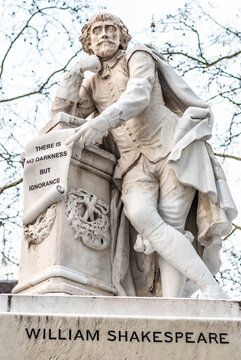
(85, 32)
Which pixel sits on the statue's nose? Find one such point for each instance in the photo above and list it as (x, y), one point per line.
(103, 33)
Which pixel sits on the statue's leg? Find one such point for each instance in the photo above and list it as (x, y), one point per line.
(144, 178)
(142, 214)
(171, 244)
(174, 204)
(172, 280)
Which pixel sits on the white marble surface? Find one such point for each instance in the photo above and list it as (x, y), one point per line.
(160, 128)
(80, 327)
(120, 306)
(55, 258)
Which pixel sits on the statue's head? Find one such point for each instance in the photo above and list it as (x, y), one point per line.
(103, 35)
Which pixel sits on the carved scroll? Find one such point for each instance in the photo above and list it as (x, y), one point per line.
(88, 216)
(38, 231)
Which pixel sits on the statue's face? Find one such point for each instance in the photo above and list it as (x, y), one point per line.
(104, 39)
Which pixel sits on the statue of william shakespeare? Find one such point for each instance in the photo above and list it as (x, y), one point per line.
(158, 129)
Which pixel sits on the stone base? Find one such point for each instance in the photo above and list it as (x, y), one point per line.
(60, 279)
(68, 250)
(107, 328)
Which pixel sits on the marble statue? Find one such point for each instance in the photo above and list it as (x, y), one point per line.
(158, 128)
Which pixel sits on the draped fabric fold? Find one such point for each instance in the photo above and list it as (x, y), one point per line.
(194, 164)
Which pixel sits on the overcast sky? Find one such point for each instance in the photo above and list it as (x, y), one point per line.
(137, 14)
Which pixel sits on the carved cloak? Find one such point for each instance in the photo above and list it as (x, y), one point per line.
(194, 164)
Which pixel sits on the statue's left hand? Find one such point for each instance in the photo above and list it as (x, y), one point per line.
(86, 134)
(91, 63)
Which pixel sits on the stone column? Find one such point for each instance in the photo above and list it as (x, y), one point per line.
(67, 249)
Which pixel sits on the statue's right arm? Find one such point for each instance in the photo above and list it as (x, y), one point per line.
(67, 97)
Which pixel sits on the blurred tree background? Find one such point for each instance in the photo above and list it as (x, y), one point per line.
(40, 42)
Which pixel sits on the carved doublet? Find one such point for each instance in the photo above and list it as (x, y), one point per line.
(151, 131)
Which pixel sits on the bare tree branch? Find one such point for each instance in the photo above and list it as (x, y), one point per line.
(39, 91)
(236, 227)
(5, 187)
(206, 64)
(22, 31)
(8, 258)
(228, 156)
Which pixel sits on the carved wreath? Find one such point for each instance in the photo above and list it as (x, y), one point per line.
(38, 231)
(88, 216)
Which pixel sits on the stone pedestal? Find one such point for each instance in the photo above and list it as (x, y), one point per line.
(70, 253)
(107, 328)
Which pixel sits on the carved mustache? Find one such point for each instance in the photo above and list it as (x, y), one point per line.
(105, 40)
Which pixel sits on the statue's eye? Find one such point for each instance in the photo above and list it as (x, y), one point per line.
(111, 28)
(96, 30)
